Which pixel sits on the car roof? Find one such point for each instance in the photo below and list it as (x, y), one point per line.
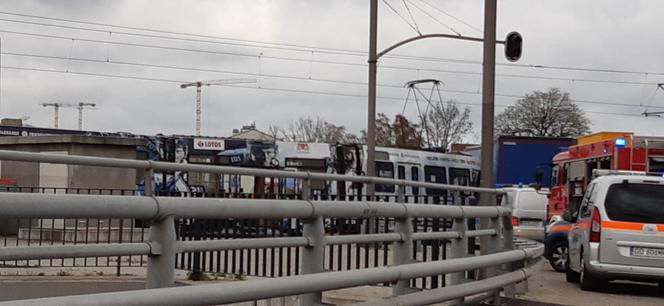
(612, 179)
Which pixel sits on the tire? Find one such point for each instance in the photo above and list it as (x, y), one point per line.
(558, 258)
(571, 276)
(587, 281)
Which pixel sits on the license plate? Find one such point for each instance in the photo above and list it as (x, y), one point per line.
(531, 223)
(647, 252)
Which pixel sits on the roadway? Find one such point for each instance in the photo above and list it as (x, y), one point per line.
(549, 286)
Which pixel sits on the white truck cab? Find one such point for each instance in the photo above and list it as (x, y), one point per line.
(618, 232)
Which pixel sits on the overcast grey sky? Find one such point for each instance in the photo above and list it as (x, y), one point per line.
(296, 81)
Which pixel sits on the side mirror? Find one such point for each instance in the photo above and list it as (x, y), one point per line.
(569, 216)
(539, 175)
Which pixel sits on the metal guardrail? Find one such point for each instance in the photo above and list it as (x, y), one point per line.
(162, 245)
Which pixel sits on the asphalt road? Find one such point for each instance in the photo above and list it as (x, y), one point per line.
(550, 287)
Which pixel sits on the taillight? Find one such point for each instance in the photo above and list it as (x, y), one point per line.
(595, 226)
(515, 221)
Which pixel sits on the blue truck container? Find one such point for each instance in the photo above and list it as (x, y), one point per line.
(518, 158)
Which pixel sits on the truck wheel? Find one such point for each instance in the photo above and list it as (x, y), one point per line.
(558, 258)
(587, 281)
(571, 276)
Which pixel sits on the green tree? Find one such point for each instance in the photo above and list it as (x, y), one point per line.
(550, 113)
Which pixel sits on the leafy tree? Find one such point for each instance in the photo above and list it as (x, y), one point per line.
(540, 113)
(406, 134)
(446, 124)
(384, 133)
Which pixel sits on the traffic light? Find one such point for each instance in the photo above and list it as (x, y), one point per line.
(513, 43)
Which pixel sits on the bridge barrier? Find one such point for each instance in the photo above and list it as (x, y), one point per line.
(510, 265)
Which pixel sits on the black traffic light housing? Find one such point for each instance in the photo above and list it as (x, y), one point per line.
(513, 43)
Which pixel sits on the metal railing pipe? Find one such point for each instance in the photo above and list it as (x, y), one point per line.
(156, 165)
(434, 211)
(484, 211)
(436, 235)
(239, 244)
(481, 233)
(365, 238)
(345, 209)
(71, 251)
(267, 288)
(73, 159)
(452, 292)
(35, 205)
(233, 208)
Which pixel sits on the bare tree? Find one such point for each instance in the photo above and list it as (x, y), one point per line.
(275, 131)
(308, 129)
(447, 124)
(540, 113)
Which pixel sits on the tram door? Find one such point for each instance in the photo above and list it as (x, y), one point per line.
(410, 172)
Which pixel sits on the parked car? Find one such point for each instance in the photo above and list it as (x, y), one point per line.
(618, 232)
(555, 243)
(528, 211)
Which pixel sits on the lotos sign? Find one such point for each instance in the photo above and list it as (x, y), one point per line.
(208, 144)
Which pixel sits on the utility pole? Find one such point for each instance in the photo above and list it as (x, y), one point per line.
(371, 122)
(56, 112)
(488, 109)
(200, 84)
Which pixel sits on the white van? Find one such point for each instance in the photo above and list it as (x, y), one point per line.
(528, 211)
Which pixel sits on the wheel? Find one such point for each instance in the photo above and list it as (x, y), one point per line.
(571, 276)
(587, 281)
(558, 258)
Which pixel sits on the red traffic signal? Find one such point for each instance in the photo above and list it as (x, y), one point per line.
(513, 43)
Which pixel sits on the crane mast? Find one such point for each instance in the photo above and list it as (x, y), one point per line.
(56, 111)
(200, 84)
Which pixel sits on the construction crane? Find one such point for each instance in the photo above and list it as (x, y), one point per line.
(200, 84)
(80, 106)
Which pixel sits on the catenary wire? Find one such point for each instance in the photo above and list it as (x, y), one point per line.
(99, 61)
(356, 52)
(311, 60)
(261, 88)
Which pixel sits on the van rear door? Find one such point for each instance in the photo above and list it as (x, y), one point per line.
(634, 231)
(530, 208)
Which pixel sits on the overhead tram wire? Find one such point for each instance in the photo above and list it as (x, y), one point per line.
(395, 86)
(261, 88)
(310, 60)
(433, 18)
(478, 30)
(414, 27)
(333, 50)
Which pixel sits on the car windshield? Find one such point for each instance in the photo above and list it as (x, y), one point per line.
(631, 202)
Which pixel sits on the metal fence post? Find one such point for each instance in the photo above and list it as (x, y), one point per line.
(403, 248)
(161, 263)
(494, 246)
(148, 182)
(313, 255)
(458, 246)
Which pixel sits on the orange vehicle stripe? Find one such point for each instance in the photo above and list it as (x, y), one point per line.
(628, 226)
(561, 228)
